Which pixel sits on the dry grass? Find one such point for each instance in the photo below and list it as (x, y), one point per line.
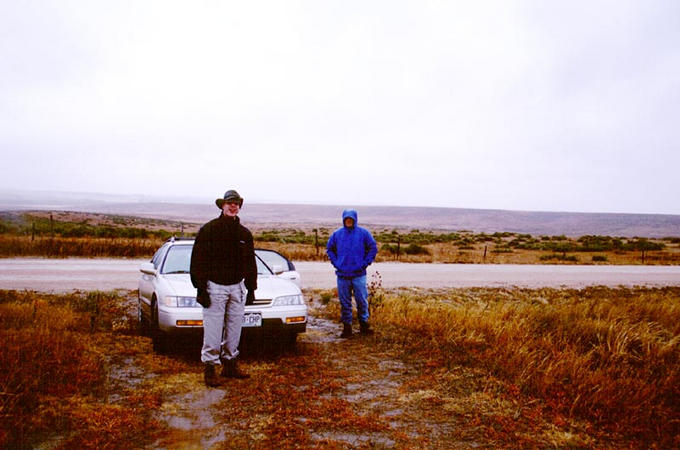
(53, 371)
(85, 247)
(609, 356)
(11, 246)
(65, 234)
(447, 253)
(595, 368)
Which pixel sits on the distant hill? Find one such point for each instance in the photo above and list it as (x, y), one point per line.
(260, 215)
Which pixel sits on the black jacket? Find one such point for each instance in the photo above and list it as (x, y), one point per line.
(223, 253)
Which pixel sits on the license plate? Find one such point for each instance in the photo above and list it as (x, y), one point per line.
(252, 320)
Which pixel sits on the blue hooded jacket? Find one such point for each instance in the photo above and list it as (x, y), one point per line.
(351, 249)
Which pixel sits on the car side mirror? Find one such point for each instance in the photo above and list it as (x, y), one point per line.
(148, 268)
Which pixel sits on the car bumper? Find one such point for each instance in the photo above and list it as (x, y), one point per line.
(291, 319)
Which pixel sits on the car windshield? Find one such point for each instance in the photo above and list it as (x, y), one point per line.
(178, 260)
(274, 260)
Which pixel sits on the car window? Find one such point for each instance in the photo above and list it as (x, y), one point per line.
(158, 256)
(274, 259)
(262, 268)
(178, 259)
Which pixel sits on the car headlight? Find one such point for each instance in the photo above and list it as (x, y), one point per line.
(288, 300)
(174, 301)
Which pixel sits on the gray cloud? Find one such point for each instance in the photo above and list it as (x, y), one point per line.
(513, 105)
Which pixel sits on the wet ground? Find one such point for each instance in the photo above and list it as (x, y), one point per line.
(194, 415)
(355, 376)
(323, 392)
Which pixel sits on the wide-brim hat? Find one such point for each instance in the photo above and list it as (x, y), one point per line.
(229, 196)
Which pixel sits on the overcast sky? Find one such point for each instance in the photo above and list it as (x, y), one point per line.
(522, 105)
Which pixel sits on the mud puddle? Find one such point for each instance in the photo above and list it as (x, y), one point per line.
(333, 371)
(323, 392)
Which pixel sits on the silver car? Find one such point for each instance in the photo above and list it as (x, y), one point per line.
(167, 300)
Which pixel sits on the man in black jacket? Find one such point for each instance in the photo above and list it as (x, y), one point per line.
(224, 272)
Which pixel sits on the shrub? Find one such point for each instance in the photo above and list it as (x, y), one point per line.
(559, 246)
(559, 257)
(326, 296)
(599, 258)
(376, 294)
(643, 245)
(28, 224)
(389, 248)
(415, 249)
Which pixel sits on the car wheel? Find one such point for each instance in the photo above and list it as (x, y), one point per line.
(141, 319)
(158, 337)
(290, 339)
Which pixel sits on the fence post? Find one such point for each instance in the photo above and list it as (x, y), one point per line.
(316, 241)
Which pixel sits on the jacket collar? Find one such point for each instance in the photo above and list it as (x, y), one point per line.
(228, 220)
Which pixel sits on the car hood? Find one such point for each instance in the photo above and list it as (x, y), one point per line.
(181, 285)
(268, 287)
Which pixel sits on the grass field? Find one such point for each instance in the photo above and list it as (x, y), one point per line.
(608, 356)
(594, 368)
(97, 235)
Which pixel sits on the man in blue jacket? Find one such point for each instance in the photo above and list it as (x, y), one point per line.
(351, 249)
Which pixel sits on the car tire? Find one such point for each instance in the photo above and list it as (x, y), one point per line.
(141, 319)
(158, 337)
(290, 339)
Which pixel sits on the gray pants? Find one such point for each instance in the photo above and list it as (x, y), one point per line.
(222, 322)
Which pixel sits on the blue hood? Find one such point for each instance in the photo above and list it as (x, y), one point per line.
(350, 213)
(351, 249)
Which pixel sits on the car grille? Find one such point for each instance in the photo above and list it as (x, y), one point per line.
(263, 301)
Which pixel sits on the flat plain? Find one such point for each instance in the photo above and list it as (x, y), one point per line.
(307, 216)
(464, 356)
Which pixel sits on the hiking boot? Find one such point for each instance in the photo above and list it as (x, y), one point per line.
(230, 370)
(365, 328)
(210, 377)
(346, 331)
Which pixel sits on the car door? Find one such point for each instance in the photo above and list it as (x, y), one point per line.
(280, 265)
(147, 281)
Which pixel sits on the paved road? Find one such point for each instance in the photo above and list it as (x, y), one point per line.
(63, 275)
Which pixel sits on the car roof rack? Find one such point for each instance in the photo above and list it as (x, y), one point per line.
(180, 238)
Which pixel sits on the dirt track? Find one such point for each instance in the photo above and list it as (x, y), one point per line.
(335, 393)
(63, 275)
